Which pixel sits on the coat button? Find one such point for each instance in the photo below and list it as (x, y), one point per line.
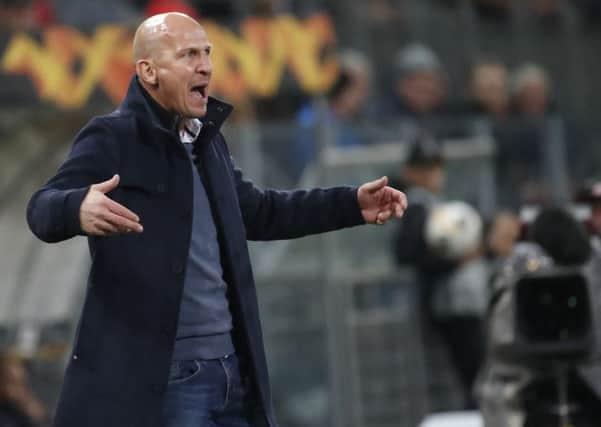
(161, 187)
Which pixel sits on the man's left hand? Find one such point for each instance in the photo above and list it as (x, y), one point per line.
(378, 202)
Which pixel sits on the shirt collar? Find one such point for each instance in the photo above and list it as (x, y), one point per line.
(167, 119)
(189, 129)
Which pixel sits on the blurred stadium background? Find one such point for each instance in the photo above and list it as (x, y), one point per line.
(339, 316)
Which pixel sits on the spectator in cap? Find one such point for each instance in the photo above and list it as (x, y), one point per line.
(424, 167)
(420, 88)
(423, 179)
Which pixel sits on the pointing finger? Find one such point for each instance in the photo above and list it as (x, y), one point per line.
(376, 185)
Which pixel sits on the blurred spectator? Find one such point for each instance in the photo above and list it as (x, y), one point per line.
(532, 91)
(154, 7)
(494, 11)
(590, 11)
(489, 90)
(19, 407)
(520, 165)
(561, 236)
(330, 120)
(271, 8)
(529, 147)
(590, 194)
(460, 299)
(18, 15)
(384, 12)
(87, 14)
(502, 235)
(420, 88)
(43, 13)
(548, 12)
(497, 11)
(423, 179)
(267, 7)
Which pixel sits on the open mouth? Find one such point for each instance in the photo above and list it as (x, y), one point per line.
(201, 90)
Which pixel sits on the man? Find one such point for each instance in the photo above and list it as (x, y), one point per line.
(422, 179)
(170, 334)
(419, 90)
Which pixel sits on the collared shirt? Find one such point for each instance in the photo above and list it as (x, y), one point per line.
(205, 321)
(189, 129)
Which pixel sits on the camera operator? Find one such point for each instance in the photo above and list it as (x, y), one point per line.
(542, 365)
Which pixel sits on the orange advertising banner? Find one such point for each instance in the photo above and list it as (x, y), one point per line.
(66, 66)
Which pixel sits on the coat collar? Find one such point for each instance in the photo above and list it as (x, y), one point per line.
(151, 114)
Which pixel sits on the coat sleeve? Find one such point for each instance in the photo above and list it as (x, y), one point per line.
(274, 215)
(53, 211)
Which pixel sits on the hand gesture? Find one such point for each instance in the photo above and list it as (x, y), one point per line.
(101, 216)
(378, 202)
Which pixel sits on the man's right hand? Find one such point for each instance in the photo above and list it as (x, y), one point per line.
(101, 216)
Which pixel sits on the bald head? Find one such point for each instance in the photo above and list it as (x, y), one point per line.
(157, 30)
(173, 64)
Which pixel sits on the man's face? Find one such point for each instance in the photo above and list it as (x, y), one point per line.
(490, 87)
(184, 70)
(423, 91)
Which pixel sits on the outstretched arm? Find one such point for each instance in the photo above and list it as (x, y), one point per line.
(73, 201)
(272, 215)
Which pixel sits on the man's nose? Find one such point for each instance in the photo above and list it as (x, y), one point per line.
(204, 66)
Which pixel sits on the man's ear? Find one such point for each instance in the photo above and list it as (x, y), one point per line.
(146, 71)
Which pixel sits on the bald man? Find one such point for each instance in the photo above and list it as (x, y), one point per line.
(169, 334)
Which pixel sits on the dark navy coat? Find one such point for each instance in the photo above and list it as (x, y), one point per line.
(118, 371)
